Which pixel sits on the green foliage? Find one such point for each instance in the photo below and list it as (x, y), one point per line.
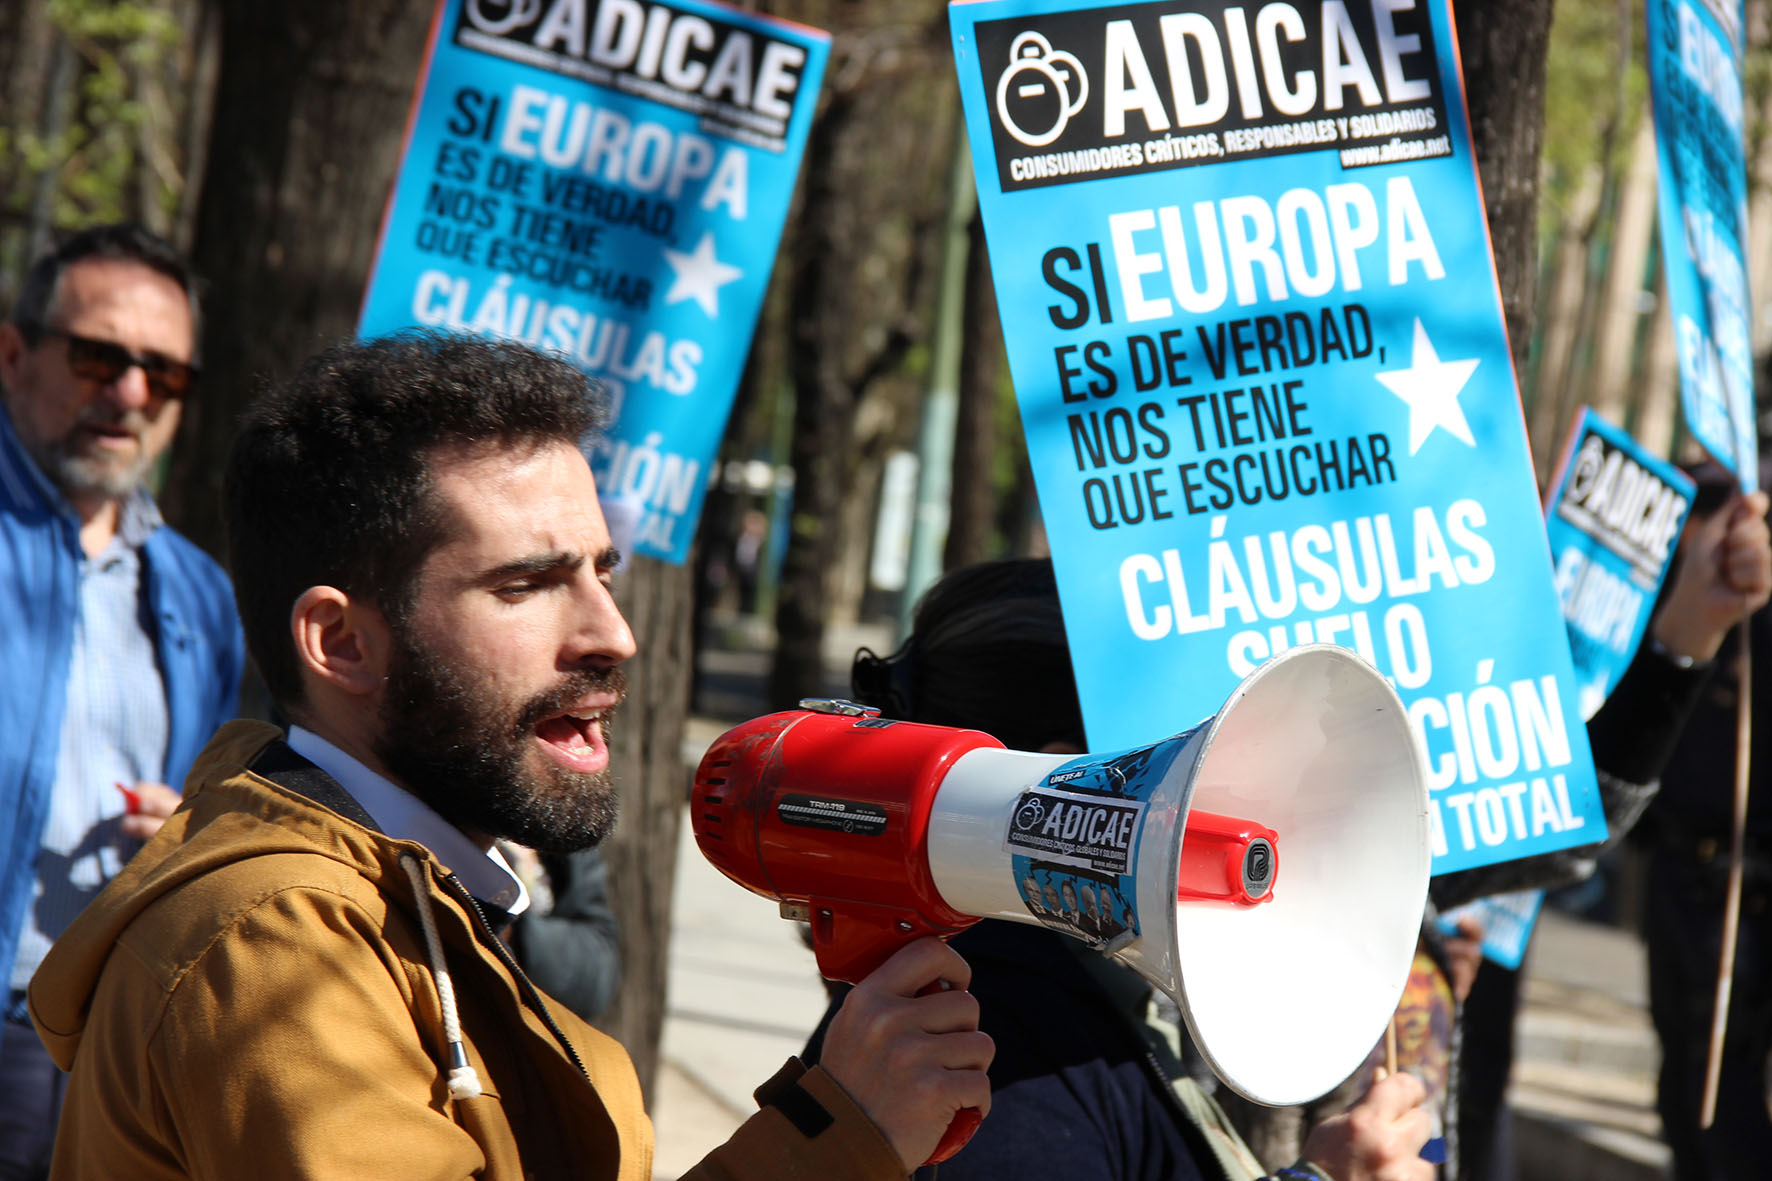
(126, 54)
(1592, 105)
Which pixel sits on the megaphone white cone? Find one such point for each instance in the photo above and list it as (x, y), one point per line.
(1284, 998)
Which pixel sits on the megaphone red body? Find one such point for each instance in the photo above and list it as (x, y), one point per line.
(781, 801)
(877, 832)
(831, 820)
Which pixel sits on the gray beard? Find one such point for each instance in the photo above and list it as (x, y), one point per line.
(80, 476)
(85, 477)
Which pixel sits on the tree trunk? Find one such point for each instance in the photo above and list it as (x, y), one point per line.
(646, 750)
(310, 114)
(310, 109)
(58, 116)
(1503, 45)
(973, 513)
(1656, 422)
(858, 265)
(202, 27)
(824, 413)
(1611, 386)
(1559, 327)
(861, 250)
(27, 39)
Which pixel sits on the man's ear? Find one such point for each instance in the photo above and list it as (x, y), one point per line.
(12, 351)
(340, 641)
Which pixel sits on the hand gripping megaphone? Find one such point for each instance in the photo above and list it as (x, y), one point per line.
(1267, 869)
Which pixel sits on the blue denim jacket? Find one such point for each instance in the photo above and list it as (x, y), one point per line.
(199, 642)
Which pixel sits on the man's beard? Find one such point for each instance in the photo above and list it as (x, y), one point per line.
(80, 474)
(464, 750)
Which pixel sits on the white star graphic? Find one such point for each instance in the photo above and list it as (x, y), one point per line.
(1431, 387)
(700, 276)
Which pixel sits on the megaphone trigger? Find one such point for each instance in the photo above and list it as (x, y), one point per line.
(851, 941)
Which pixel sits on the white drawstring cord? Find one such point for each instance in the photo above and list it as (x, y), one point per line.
(464, 1083)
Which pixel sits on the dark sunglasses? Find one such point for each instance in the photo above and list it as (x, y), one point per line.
(107, 361)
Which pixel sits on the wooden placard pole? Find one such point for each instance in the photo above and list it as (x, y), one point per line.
(1719, 1023)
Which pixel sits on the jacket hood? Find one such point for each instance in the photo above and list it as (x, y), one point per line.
(227, 816)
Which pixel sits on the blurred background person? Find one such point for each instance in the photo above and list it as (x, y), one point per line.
(1724, 574)
(567, 940)
(121, 649)
(1686, 831)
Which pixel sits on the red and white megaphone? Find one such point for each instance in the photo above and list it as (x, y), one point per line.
(1267, 869)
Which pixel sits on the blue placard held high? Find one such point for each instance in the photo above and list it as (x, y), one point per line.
(606, 179)
(1695, 59)
(1257, 341)
(1614, 519)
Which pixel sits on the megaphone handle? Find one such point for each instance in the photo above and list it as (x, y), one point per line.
(849, 945)
(965, 1121)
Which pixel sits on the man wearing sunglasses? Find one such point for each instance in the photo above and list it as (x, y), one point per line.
(118, 637)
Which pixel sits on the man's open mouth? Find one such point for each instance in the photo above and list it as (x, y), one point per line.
(575, 739)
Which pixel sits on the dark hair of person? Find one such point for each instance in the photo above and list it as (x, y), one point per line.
(126, 241)
(987, 651)
(328, 481)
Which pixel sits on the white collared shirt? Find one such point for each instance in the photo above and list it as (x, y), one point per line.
(405, 817)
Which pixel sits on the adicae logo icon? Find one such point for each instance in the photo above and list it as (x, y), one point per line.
(1042, 88)
(517, 14)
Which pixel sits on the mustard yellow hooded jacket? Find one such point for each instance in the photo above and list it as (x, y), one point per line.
(254, 998)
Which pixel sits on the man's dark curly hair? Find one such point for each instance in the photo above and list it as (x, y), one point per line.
(987, 651)
(328, 480)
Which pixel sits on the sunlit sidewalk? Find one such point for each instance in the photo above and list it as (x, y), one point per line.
(743, 994)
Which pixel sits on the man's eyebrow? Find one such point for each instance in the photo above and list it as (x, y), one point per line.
(535, 564)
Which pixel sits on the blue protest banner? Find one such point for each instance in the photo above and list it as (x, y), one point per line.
(1614, 519)
(1258, 347)
(606, 179)
(1695, 60)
